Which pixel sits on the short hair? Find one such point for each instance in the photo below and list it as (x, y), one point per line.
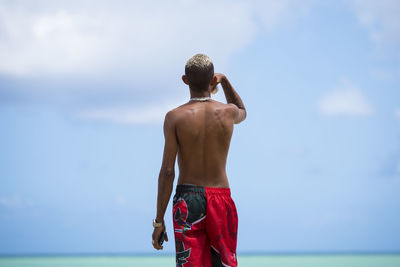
(199, 71)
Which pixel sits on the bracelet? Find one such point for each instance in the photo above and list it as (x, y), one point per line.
(157, 224)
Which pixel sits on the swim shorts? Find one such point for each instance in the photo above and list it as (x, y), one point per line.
(205, 226)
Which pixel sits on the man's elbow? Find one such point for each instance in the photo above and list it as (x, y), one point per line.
(241, 116)
(167, 173)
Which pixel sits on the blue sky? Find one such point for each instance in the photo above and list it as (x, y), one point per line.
(84, 89)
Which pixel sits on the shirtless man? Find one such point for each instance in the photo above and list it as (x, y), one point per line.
(204, 214)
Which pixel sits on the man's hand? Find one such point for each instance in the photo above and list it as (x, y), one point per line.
(218, 78)
(156, 235)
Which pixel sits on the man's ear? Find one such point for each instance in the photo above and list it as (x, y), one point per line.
(184, 79)
(213, 81)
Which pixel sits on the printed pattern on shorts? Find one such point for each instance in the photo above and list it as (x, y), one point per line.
(205, 226)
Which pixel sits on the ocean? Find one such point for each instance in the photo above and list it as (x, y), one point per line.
(305, 260)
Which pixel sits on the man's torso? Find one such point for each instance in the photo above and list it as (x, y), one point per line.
(203, 130)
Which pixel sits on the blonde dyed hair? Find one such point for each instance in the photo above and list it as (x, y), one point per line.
(199, 71)
(199, 61)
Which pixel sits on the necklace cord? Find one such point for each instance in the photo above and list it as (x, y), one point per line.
(201, 98)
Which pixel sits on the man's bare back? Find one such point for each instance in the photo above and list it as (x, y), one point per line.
(203, 130)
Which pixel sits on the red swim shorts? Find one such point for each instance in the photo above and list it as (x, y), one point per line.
(205, 226)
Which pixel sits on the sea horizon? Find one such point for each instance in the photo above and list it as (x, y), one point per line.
(167, 254)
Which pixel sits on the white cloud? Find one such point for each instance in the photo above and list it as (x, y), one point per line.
(380, 17)
(140, 115)
(147, 114)
(346, 100)
(75, 37)
(125, 47)
(71, 36)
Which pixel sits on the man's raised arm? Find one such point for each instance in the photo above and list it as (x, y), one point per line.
(166, 176)
(232, 98)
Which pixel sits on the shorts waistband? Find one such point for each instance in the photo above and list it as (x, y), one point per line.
(189, 188)
(218, 191)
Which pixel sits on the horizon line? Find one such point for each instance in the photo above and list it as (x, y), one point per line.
(243, 253)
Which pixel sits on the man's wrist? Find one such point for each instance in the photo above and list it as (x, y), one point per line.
(157, 222)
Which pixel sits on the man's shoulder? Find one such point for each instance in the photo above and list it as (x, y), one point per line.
(176, 111)
(185, 108)
(173, 114)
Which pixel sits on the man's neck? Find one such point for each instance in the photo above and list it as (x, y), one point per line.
(199, 94)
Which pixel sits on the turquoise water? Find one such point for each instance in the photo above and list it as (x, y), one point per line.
(369, 260)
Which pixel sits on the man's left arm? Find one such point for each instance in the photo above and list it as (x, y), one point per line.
(166, 176)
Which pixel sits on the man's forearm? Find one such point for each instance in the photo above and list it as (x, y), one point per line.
(230, 94)
(165, 183)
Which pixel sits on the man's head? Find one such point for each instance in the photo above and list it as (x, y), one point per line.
(199, 71)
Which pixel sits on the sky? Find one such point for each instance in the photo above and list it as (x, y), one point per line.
(85, 86)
